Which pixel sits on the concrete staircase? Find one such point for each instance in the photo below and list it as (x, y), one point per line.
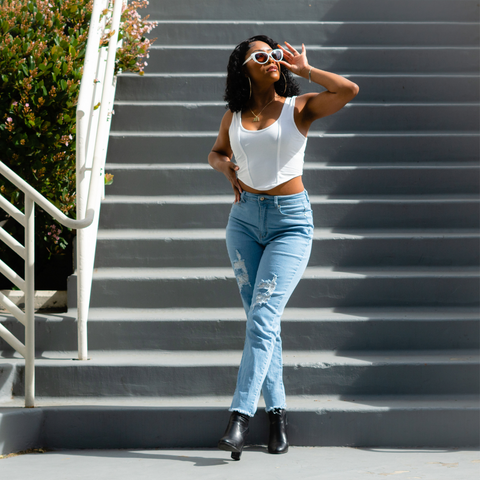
(381, 337)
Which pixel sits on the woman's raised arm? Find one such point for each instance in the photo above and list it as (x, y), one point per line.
(317, 105)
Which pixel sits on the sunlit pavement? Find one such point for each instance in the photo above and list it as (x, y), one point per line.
(330, 463)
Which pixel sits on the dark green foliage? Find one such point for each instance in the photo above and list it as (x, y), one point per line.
(42, 50)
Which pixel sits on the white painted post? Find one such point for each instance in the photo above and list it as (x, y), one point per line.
(29, 302)
(86, 242)
(84, 138)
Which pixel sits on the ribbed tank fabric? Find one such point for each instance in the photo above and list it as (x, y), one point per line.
(270, 156)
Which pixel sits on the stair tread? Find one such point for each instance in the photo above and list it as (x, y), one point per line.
(290, 314)
(314, 199)
(319, 233)
(315, 22)
(310, 272)
(309, 359)
(229, 48)
(307, 166)
(312, 403)
(354, 104)
(214, 134)
(356, 74)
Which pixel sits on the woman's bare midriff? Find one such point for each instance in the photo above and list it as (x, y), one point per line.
(293, 186)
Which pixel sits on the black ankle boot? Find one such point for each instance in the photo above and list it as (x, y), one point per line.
(233, 439)
(278, 442)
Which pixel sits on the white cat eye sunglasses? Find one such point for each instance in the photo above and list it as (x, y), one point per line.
(262, 57)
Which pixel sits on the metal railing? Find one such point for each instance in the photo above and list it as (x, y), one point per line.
(93, 127)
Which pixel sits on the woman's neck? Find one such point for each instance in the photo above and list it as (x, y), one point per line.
(261, 97)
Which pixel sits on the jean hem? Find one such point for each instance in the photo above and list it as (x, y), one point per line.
(276, 408)
(239, 410)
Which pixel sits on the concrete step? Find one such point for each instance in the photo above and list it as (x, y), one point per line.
(375, 88)
(166, 374)
(323, 179)
(361, 212)
(356, 33)
(321, 287)
(354, 117)
(326, 10)
(206, 248)
(341, 60)
(333, 149)
(213, 329)
(320, 420)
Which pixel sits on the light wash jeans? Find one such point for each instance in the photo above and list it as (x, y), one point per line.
(269, 239)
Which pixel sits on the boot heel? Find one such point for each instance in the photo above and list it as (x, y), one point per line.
(233, 439)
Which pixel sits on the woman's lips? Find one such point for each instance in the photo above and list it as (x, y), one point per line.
(272, 69)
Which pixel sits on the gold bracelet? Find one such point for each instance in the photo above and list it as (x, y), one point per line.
(310, 75)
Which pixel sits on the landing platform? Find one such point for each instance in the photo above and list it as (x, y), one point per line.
(334, 463)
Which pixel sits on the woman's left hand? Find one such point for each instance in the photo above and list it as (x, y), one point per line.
(296, 62)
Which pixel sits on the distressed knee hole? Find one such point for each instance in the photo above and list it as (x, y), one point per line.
(268, 287)
(241, 271)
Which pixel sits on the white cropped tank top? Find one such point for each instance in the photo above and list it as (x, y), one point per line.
(270, 156)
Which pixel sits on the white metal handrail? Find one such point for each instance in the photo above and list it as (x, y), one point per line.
(93, 127)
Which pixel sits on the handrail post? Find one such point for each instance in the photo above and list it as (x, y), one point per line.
(85, 257)
(29, 301)
(86, 243)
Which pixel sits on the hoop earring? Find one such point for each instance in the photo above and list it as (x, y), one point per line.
(285, 80)
(250, 83)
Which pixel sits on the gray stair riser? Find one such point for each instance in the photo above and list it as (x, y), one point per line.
(354, 117)
(339, 60)
(338, 252)
(382, 291)
(172, 381)
(350, 150)
(380, 214)
(324, 181)
(305, 335)
(141, 428)
(317, 10)
(374, 88)
(217, 334)
(325, 34)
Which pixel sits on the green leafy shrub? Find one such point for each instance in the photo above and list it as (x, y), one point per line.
(42, 51)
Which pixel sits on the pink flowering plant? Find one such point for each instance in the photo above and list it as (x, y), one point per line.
(132, 55)
(42, 51)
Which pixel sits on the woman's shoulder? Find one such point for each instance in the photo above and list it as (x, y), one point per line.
(301, 100)
(227, 119)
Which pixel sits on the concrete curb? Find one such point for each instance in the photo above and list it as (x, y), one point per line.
(44, 299)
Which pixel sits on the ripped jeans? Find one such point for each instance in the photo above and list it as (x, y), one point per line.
(269, 239)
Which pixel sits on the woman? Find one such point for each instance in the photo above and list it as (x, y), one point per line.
(270, 228)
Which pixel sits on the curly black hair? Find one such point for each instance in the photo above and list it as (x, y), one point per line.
(237, 90)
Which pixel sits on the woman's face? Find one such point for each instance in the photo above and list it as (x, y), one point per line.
(260, 72)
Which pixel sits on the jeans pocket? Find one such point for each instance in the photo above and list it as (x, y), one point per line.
(295, 210)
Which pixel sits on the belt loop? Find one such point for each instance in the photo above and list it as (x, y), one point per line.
(275, 200)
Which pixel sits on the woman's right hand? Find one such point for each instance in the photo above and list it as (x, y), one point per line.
(229, 169)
